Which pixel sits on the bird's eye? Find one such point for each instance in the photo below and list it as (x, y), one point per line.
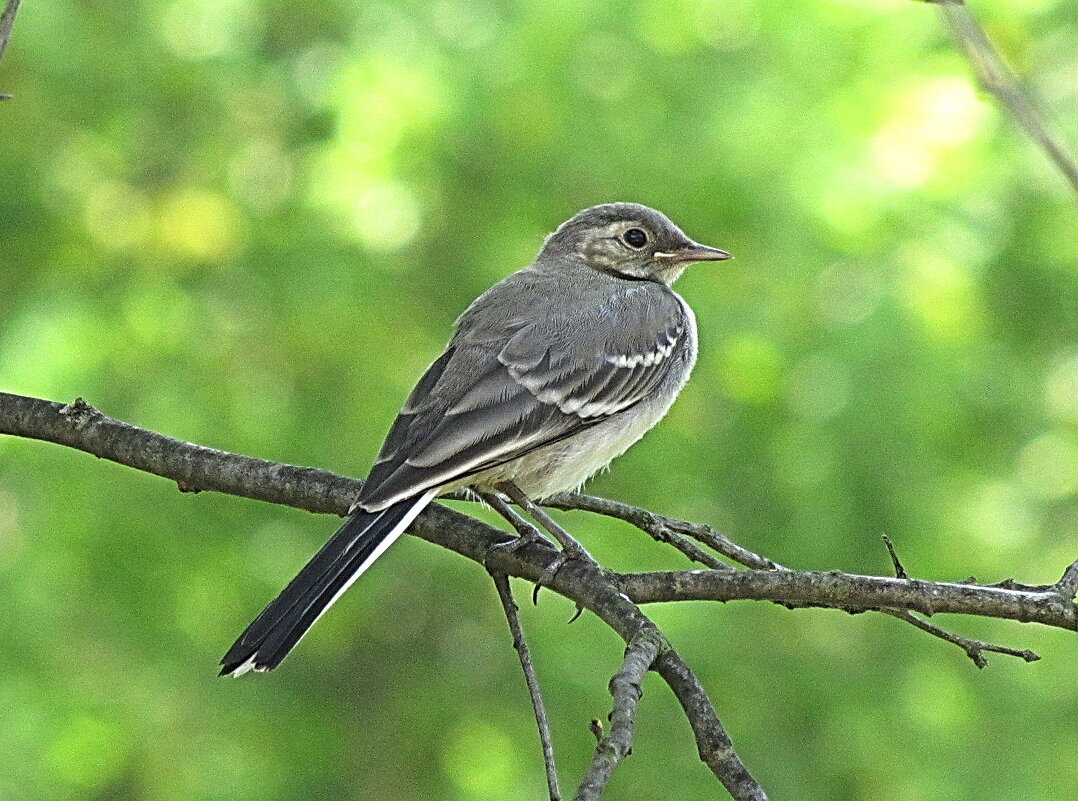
(635, 238)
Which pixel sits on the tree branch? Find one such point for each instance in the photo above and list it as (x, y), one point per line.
(996, 78)
(613, 598)
(7, 21)
(665, 529)
(194, 467)
(1051, 606)
(640, 654)
(505, 594)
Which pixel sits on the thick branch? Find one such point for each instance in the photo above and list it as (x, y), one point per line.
(194, 467)
(1050, 606)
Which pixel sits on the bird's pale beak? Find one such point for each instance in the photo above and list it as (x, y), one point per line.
(693, 252)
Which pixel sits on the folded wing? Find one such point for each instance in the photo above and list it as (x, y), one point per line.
(480, 405)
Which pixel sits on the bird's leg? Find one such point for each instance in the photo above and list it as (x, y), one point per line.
(529, 534)
(571, 549)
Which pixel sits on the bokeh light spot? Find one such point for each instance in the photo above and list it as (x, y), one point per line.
(929, 121)
(941, 291)
(200, 225)
(1061, 390)
(848, 293)
(481, 761)
(751, 368)
(935, 700)
(88, 753)
(116, 215)
(199, 29)
(998, 515)
(468, 25)
(261, 174)
(818, 387)
(1048, 466)
(386, 216)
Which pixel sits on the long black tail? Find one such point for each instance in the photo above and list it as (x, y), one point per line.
(362, 539)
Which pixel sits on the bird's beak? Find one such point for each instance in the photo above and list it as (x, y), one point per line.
(694, 251)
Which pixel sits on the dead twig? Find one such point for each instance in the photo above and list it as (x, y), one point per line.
(974, 649)
(505, 594)
(666, 529)
(7, 21)
(998, 79)
(612, 748)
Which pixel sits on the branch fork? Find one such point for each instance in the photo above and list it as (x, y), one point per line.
(616, 599)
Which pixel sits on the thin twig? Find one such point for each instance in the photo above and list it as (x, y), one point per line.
(974, 648)
(7, 20)
(663, 528)
(625, 688)
(505, 593)
(996, 78)
(613, 598)
(900, 572)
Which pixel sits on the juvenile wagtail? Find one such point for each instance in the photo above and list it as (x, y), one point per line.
(549, 375)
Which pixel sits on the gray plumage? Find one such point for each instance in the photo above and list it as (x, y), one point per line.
(550, 374)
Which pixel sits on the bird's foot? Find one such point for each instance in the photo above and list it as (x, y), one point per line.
(574, 552)
(529, 535)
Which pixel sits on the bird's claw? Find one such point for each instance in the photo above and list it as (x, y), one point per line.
(530, 536)
(550, 571)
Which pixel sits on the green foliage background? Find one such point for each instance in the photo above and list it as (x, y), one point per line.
(250, 224)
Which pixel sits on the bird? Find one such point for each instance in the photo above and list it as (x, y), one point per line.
(549, 375)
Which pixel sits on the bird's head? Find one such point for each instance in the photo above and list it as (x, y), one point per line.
(628, 241)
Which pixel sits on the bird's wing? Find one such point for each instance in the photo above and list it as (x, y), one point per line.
(481, 405)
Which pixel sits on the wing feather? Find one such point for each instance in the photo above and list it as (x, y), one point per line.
(487, 402)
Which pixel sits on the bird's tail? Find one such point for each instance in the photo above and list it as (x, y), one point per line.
(362, 539)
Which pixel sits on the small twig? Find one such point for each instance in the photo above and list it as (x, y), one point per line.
(900, 572)
(974, 648)
(996, 78)
(596, 728)
(505, 593)
(625, 687)
(1067, 586)
(663, 528)
(665, 534)
(648, 522)
(7, 20)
